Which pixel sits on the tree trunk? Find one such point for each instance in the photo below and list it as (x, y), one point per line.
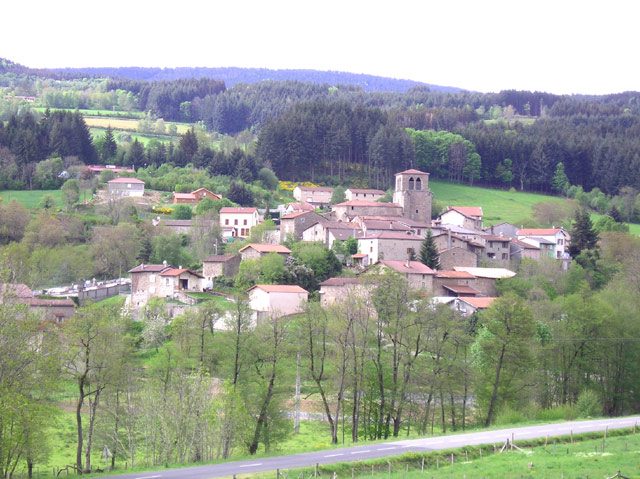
(79, 404)
(92, 422)
(262, 417)
(494, 394)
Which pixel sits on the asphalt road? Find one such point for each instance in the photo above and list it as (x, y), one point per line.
(371, 451)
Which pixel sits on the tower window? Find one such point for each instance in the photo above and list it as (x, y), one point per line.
(411, 184)
(418, 184)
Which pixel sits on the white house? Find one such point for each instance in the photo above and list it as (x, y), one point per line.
(314, 195)
(275, 300)
(238, 221)
(560, 238)
(390, 245)
(469, 217)
(125, 187)
(363, 194)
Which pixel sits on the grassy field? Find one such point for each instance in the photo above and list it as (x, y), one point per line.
(584, 459)
(498, 205)
(127, 124)
(31, 199)
(143, 138)
(109, 113)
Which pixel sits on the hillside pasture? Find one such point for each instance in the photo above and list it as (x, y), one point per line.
(126, 124)
(31, 199)
(102, 113)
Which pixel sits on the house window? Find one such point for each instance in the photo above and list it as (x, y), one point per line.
(559, 242)
(371, 249)
(416, 211)
(491, 255)
(245, 222)
(505, 256)
(226, 221)
(166, 281)
(235, 222)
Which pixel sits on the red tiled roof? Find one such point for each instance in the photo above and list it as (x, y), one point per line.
(301, 206)
(149, 268)
(238, 210)
(412, 172)
(338, 281)
(454, 274)
(294, 214)
(267, 248)
(467, 210)
(368, 203)
(184, 196)
(359, 255)
(179, 271)
(415, 267)
(392, 235)
(50, 302)
(280, 288)
(126, 180)
(16, 290)
(460, 289)
(538, 231)
(481, 302)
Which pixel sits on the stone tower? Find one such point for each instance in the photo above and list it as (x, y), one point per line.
(413, 194)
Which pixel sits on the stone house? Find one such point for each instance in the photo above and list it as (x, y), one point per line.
(560, 238)
(457, 256)
(258, 250)
(124, 187)
(293, 224)
(503, 229)
(418, 275)
(343, 289)
(220, 265)
(469, 217)
(299, 206)
(314, 195)
(350, 209)
(547, 248)
(454, 283)
(390, 245)
(56, 310)
(486, 278)
(497, 248)
(379, 224)
(521, 249)
(363, 194)
(162, 281)
(327, 232)
(269, 301)
(238, 221)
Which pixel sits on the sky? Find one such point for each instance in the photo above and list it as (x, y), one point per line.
(557, 46)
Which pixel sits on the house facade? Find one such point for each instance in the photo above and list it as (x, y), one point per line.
(258, 250)
(125, 187)
(389, 246)
(162, 281)
(486, 278)
(496, 248)
(314, 195)
(220, 265)
(194, 197)
(418, 275)
(343, 289)
(350, 209)
(454, 283)
(268, 301)
(558, 236)
(456, 256)
(363, 194)
(293, 224)
(469, 217)
(238, 221)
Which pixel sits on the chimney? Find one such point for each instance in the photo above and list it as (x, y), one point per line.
(164, 262)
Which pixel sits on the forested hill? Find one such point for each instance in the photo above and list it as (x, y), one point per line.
(232, 76)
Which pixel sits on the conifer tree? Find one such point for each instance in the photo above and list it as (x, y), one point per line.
(429, 252)
(583, 234)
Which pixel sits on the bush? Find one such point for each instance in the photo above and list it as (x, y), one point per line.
(508, 415)
(588, 404)
(182, 212)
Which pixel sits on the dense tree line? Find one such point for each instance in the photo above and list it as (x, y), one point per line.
(321, 141)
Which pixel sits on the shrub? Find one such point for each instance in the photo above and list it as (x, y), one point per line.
(588, 404)
(182, 212)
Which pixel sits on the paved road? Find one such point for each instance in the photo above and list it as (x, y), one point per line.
(357, 453)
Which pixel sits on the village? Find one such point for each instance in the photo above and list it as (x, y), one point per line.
(389, 236)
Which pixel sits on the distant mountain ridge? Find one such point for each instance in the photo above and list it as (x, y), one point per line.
(233, 75)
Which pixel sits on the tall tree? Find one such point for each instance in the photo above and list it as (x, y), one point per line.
(429, 252)
(583, 234)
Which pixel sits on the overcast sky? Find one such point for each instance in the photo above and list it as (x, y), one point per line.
(559, 46)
